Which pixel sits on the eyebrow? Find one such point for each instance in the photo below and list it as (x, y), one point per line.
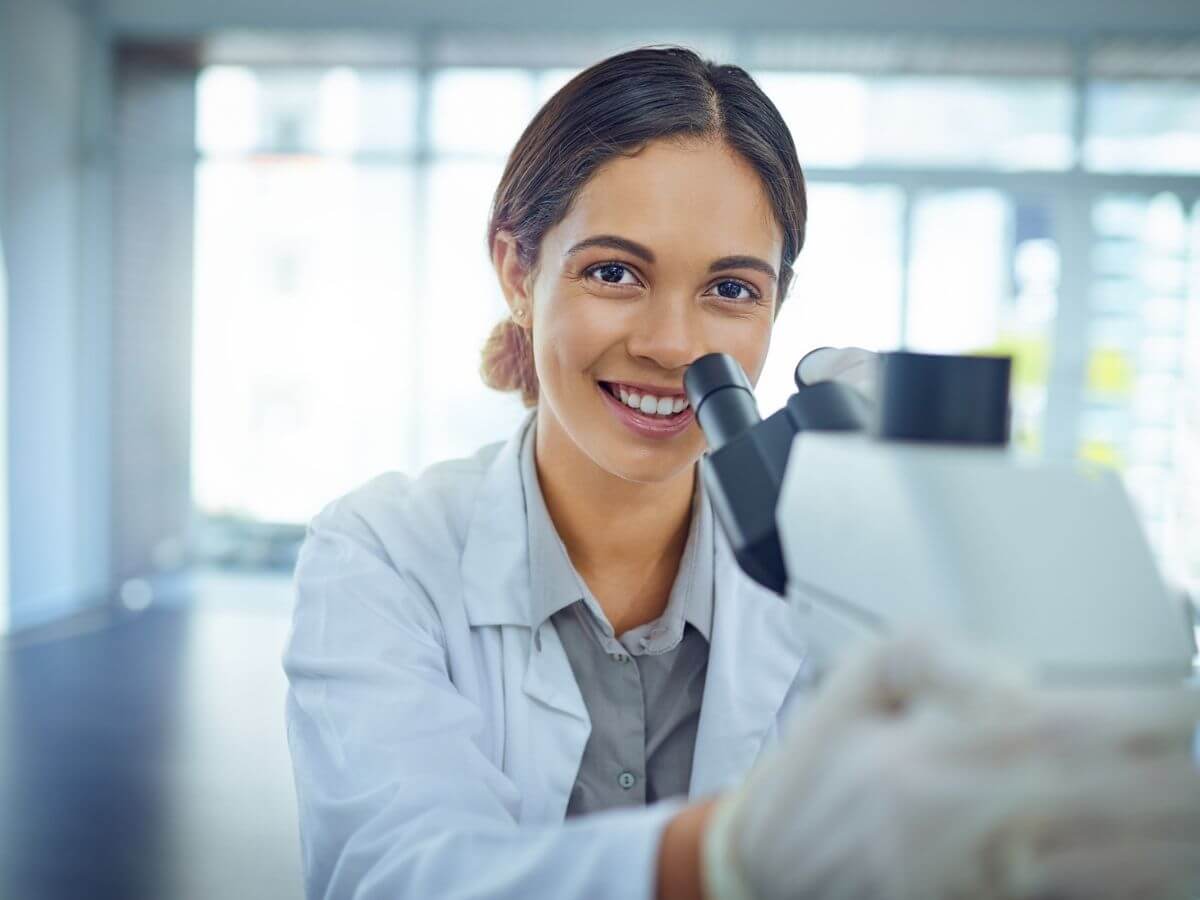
(743, 262)
(616, 243)
(645, 253)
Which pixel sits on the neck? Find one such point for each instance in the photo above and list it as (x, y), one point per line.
(625, 538)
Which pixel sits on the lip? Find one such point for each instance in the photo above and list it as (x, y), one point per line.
(644, 425)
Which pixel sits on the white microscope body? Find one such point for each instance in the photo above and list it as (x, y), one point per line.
(883, 498)
(1045, 564)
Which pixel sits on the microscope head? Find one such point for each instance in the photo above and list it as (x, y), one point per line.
(904, 510)
(744, 468)
(947, 399)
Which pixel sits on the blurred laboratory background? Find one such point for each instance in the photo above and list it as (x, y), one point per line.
(243, 270)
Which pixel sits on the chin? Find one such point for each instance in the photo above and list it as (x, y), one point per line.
(647, 464)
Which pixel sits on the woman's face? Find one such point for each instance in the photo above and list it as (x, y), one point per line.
(664, 256)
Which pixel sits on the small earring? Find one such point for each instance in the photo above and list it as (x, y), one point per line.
(518, 314)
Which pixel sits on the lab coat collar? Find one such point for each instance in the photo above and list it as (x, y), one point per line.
(495, 560)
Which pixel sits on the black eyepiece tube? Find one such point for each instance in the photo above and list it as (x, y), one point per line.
(720, 394)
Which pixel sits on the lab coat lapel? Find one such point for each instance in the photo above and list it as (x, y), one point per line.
(559, 725)
(755, 656)
(495, 559)
(546, 719)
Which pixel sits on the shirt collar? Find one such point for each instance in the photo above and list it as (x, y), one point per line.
(556, 584)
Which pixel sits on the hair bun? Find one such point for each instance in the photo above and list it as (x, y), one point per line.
(507, 363)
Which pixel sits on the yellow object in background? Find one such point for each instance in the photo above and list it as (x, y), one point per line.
(1030, 358)
(1101, 453)
(1030, 354)
(1110, 372)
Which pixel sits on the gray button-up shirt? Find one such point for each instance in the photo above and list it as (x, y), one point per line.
(642, 689)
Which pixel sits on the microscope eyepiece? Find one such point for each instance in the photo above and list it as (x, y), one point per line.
(721, 396)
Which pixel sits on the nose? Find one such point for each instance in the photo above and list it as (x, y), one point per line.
(666, 333)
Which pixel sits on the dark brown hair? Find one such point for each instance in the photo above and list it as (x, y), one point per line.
(614, 108)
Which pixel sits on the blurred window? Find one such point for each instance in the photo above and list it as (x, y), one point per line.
(337, 110)
(848, 120)
(1142, 396)
(848, 283)
(983, 275)
(304, 255)
(1151, 126)
(343, 289)
(481, 111)
(302, 332)
(1143, 106)
(461, 303)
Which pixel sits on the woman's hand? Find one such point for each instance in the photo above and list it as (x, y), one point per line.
(923, 771)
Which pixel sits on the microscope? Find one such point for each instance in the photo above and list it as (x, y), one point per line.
(902, 508)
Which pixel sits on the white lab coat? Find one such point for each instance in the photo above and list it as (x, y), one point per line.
(435, 737)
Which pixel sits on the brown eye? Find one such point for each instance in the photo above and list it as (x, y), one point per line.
(612, 273)
(729, 290)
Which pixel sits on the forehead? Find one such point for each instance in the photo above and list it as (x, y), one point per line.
(695, 197)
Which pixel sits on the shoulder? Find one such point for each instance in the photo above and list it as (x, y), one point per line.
(405, 519)
(390, 551)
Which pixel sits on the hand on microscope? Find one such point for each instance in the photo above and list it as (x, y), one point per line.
(923, 770)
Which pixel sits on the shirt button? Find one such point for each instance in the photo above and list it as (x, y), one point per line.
(618, 657)
(626, 780)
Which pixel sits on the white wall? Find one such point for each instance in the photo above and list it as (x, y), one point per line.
(57, 340)
(154, 174)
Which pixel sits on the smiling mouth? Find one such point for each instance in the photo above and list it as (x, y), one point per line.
(672, 407)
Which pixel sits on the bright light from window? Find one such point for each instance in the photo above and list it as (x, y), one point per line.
(852, 120)
(460, 305)
(1142, 390)
(481, 111)
(548, 81)
(846, 291)
(1151, 126)
(227, 114)
(338, 111)
(303, 343)
(827, 115)
(958, 274)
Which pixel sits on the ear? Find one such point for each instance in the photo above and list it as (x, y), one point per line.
(514, 277)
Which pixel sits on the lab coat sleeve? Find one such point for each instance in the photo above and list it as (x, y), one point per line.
(396, 797)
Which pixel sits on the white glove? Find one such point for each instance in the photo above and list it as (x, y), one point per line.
(922, 772)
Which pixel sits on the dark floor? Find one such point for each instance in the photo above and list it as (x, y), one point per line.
(142, 754)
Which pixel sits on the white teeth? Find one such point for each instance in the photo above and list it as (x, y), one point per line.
(649, 404)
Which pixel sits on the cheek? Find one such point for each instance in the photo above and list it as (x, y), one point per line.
(575, 332)
(749, 347)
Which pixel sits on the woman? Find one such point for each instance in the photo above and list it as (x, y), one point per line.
(509, 674)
